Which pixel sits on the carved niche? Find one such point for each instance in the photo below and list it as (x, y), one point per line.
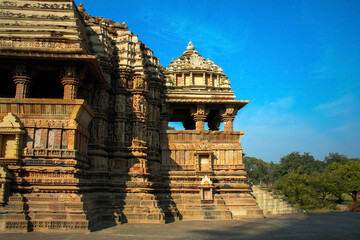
(206, 190)
(11, 131)
(203, 158)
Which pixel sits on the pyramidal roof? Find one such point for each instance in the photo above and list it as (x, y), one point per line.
(193, 72)
(191, 59)
(42, 27)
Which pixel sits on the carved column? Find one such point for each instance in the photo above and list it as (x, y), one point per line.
(199, 116)
(228, 123)
(22, 79)
(228, 118)
(71, 81)
(70, 87)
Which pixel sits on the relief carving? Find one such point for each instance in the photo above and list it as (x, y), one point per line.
(120, 103)
(139, 82)
(128, 133)
(129, 104)
(139, 104)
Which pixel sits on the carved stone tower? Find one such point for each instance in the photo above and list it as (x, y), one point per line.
(198, 92)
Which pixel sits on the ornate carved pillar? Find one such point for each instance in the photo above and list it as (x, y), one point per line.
(199, 116)
(71, 80)
(228, 118)
(139, 128)
(22, 79)
(121, 106)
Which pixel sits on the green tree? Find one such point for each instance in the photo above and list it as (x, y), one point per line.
(305, 163)
(334, 180)
(335, 158)
(351, 178)
(261, 172)
(354, 159)
(300, 189)
(272, 174)
(256, 169)
(327, 183)
(344, 178)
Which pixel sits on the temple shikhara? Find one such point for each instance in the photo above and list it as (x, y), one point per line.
(84, 137)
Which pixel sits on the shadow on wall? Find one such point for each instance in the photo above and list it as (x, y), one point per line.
(162, 182)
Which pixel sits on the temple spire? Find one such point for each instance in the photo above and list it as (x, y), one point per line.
(190, 47)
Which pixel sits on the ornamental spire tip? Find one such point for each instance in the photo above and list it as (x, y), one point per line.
(190, 46)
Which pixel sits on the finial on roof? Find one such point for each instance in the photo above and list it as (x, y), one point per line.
(81, 8)
(190, 46)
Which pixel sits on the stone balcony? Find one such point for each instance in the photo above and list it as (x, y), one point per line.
(51, 129)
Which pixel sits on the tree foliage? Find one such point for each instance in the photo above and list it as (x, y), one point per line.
(350, 174)
(302, 189)
(307, 182)
(259, 171)
(335, 158)
(304, 163)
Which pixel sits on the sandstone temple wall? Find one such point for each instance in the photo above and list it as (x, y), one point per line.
(84, 111)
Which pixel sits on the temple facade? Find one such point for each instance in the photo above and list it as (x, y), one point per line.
(84, 139)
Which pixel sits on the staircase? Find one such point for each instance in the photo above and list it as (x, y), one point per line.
(273, 205)
(191, 208)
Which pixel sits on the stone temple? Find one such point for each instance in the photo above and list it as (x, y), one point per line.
(84, 139)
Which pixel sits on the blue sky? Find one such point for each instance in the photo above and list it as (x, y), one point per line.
(298, 62)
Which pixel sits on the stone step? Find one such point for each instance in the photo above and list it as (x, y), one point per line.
(272, 204)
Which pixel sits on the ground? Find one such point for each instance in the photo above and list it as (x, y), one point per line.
(337, 225)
